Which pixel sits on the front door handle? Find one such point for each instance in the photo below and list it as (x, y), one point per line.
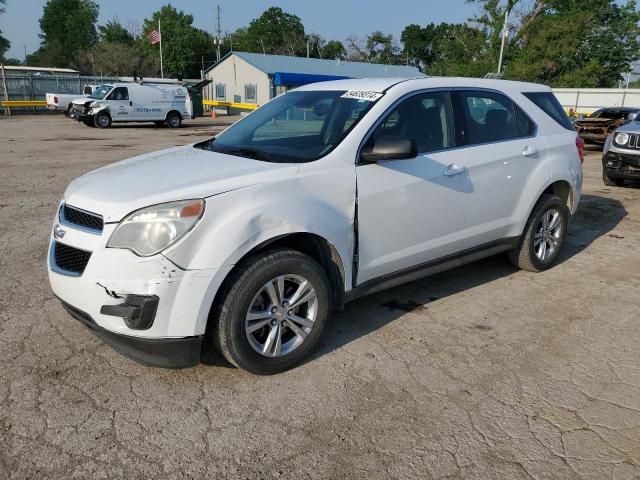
(452, 170)
(529, 151)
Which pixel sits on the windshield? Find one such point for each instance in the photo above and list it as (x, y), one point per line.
(299, 126)
(101, 92)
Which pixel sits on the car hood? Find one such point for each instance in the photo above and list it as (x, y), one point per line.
(631, 127)
(178, 173)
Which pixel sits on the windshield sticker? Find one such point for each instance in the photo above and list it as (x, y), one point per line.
(366, 95)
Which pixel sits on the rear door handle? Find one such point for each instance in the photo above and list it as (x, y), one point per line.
(452, 170)
(529, 151)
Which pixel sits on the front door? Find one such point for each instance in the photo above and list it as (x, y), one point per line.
(120, 106)
(413, 211)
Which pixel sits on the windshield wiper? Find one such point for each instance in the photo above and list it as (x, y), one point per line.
(245, 152)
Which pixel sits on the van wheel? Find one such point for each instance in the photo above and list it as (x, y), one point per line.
(102, 120)
(273, 312)
(543, 236)
(174, 120)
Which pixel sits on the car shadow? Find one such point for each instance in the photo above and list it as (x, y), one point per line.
(596, 217)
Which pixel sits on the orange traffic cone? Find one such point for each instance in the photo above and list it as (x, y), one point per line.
(213, 113)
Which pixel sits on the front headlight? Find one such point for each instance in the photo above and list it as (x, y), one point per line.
(621, 138)
(152, 229)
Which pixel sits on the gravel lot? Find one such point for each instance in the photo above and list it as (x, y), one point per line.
(482, 372)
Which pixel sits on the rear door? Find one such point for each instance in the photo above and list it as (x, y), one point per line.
(505, 151)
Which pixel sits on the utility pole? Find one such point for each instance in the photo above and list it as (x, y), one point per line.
(505, 33)
(218, 34)
(25, 55)
(308, 52)
(7, 109)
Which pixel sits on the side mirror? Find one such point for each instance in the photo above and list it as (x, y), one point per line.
(391, 148)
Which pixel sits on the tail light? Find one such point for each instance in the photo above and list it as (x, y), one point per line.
(580, 147)
(55, 100)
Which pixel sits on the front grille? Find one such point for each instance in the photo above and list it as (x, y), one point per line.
(75, 216)
(70, 259)
(634, 141)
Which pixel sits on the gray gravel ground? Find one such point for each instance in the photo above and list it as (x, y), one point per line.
(483, 372)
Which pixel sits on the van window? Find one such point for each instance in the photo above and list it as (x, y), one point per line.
(119, 93)
(550, 105)
(251, 93)
(221, 91)
(489, 117)
(427, 118)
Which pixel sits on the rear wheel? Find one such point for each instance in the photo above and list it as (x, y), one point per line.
(611, 182)
(102, 120)
(543, 236)
(174, 120)
(273, 312)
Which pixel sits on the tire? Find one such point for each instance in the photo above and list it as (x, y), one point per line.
(174, 120)
(102, 120)
(246, 288)
(527, 255)
(611, 182)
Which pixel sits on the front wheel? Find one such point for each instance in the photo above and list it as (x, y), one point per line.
(102, 120)
(544, 235)
(273, 312)
(611, 182)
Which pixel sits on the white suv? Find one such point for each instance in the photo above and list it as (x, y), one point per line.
(332, 191)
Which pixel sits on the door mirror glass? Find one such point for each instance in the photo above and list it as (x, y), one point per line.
(390, 148)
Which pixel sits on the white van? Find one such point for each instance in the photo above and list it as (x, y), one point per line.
(131, 102)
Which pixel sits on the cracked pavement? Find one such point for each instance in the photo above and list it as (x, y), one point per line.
(481, 372)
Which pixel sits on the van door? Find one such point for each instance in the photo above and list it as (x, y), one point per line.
(506, 151)
(120, 106)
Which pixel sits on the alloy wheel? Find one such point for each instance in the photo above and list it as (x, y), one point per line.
(547, 238)
(281, 315)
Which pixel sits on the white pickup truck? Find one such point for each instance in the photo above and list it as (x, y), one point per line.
(64, 101)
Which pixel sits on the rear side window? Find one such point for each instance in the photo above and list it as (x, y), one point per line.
(550, 105)
(490, 117)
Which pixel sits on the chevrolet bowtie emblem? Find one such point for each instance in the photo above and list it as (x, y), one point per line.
(58, 231)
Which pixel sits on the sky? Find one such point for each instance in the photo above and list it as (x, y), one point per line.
(332, 19)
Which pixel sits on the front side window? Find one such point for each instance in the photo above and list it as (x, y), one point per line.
(426, 118)
(489, 117)
(251, 93)
(298, 126)
(119, 93)
(221, 91)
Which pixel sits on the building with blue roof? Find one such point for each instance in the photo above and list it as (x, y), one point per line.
(255, 78)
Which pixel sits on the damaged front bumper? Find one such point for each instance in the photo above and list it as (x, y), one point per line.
(146, 308)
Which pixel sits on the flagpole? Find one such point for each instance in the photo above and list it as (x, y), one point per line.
(160, 32)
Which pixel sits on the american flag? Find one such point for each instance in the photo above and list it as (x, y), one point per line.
(154, 36)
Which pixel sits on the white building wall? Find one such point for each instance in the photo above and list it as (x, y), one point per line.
(588, 100)
(235, 74)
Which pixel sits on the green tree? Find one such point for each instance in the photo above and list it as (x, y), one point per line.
(68, 27)
(381, 48)
(276, 32)
(4, 43)
(183, 45)
(114, 32)
(334, 49)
